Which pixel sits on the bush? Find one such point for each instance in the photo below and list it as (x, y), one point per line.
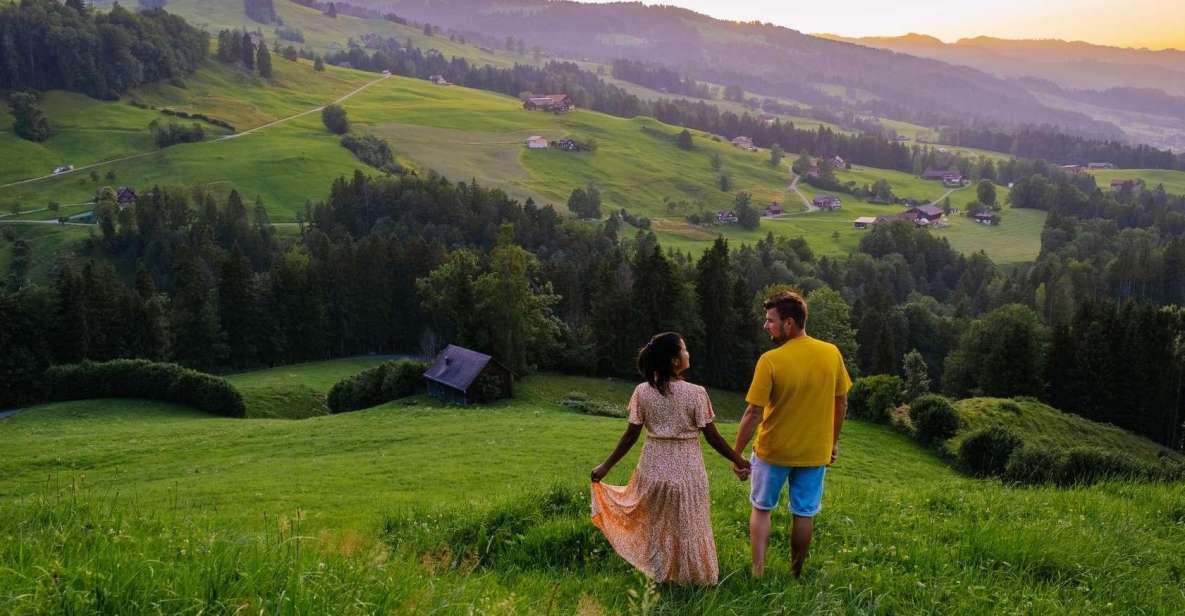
(371, 150)
(1010, 407)
(985, 453)
(1090, 465)
(934, 418)
(139, 378)
(1034, 466)
(374, 386)
(579, 401)
(334, 118)
(873, 397)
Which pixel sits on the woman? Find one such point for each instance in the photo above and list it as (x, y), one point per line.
(660, 522)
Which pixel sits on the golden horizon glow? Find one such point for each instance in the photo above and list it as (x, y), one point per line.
(1151, 24)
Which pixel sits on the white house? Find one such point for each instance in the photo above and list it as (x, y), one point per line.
(535, 142)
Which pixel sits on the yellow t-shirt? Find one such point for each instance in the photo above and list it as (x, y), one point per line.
(796, 384)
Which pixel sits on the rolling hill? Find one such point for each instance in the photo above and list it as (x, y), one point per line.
(459, 132)
(411, 506)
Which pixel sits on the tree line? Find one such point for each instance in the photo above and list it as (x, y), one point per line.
(659, 78)
(1048, 143)
(410, 263)
(46, 45)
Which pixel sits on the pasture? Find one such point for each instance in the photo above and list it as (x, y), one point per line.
(413, 507)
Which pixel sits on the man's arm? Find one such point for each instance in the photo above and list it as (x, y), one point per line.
(841, 411)
(749, 422)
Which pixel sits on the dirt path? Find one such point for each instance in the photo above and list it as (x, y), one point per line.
(224, 138)
(793, 186)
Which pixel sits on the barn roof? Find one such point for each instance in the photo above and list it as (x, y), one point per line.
(457, 367)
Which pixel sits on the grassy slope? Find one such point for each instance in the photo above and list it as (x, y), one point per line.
(1042, 425)
(466, 133)
(49, 244)
(900, 532)
(1173, 181)
(297, 391)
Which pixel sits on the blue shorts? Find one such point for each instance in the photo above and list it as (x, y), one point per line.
(806, 486)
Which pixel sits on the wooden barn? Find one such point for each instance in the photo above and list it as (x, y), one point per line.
(462, 376)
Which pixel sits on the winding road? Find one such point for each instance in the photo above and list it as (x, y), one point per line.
(224, 138)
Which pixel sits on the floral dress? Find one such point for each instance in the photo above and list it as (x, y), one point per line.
(660, 522)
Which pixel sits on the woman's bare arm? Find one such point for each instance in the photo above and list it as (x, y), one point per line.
(712, 435)
(623, 447)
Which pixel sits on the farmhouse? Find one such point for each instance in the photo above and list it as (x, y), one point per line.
(569, 144)
(773, 210)
(1072, 168)
(535, 142)
(767, 118)
(838, 163)
(1100, 165)
(125, 195)
(952, 180)
(864, 222)
(726, 218)
(743, 142)
(439, 80)
(827, 202)
(929, 213)
(986, 218)
(936, 174)
(462, 376)
(550, 102)
(1118, 185)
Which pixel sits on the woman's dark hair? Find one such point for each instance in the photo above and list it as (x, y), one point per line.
(656, 360)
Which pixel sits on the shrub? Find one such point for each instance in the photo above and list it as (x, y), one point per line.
(1034, 466)
(985, 453)
(873, 397)
(1089, 465)
(579, 401)
(334, 118)
(1010, 407)
(371, 150)
(374, 386)
(934, 418)
(139, 378)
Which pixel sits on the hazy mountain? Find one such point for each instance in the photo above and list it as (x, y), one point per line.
(1070, 64)
(764, 58)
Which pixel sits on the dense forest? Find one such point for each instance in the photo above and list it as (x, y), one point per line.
(659, 78)
(1048, 143)
(408, 263)
(48, 45)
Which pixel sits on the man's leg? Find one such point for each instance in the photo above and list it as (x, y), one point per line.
(765, 484)
(800, 542)
(806, 499)
(758, 539)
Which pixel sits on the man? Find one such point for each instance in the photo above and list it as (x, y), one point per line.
(798, 399)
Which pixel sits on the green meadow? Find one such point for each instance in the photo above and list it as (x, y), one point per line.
(123, 506)
(461, 133)
(1173, 181)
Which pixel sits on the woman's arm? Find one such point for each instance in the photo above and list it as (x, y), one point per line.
(712, 435)
(623, 447)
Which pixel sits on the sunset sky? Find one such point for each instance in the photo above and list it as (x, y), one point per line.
(1155, 24)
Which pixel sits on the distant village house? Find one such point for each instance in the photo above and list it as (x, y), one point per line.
(726, 218)
(558, 103)
(439, 80)
(827, 202)
(773, 210)
(743, 142)
(535, 142)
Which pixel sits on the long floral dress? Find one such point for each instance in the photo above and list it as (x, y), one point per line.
(660, 522)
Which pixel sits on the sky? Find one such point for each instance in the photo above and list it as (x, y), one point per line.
(1155, 24)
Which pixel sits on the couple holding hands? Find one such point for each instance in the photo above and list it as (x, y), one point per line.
(661, 520)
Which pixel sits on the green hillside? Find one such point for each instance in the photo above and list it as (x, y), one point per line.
(1173, 181)
(459, 132)
(406, 509)
(1044, 426)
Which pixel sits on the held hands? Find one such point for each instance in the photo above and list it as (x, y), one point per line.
(741, 468)
(599, 473)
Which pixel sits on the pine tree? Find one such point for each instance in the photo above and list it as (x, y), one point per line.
(917, 376)
(331, 11)
(238, 308)
(247, 51)
(263, 61)
(318, 64)
(714, 291)
(200, 341)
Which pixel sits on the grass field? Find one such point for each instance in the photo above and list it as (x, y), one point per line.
(464, 133)
(137, 507)
(1173, 181)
